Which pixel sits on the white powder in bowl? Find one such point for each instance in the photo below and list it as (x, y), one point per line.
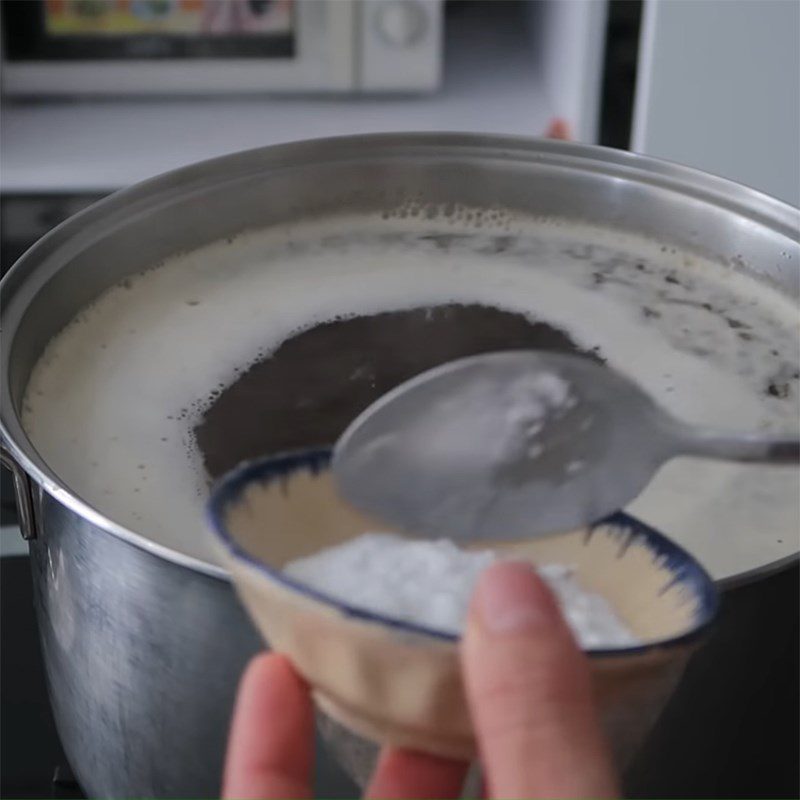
(430, 583)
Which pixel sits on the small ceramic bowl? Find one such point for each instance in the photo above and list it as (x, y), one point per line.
(395, 682)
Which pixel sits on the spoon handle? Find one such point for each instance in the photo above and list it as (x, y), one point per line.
(741, 447)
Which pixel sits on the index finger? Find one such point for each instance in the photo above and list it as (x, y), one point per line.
(270, 748)
(406, 774)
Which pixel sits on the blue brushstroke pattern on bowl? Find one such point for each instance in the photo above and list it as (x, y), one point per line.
(684, 570)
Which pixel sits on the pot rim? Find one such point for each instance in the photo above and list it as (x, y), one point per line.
(741, 200)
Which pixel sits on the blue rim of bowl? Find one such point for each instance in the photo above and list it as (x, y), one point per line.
(277, 467)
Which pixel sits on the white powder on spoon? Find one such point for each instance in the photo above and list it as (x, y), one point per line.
(430, 583)
(468, 459)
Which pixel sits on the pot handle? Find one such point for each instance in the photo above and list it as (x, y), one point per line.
(22, 489)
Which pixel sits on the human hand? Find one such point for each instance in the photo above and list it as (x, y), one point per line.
(558, 129)
(529, 692)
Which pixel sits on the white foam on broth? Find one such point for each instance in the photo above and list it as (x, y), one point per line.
(111, 404)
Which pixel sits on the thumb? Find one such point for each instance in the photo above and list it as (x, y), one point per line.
(530, 693)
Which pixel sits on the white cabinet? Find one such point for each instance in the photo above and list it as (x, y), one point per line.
(718, 87)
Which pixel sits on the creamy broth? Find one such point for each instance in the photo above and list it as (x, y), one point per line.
(120, 401)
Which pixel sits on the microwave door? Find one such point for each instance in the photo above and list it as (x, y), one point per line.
(315, 52)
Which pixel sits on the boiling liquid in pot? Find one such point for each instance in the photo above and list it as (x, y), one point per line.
(315, 382)
(275, 340)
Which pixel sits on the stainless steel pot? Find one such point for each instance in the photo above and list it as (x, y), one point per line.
(143, 646)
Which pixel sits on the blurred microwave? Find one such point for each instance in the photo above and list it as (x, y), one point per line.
(206, 47)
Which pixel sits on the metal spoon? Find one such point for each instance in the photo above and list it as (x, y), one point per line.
(519, 444)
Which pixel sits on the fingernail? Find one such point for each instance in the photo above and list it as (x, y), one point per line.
(511, 598)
